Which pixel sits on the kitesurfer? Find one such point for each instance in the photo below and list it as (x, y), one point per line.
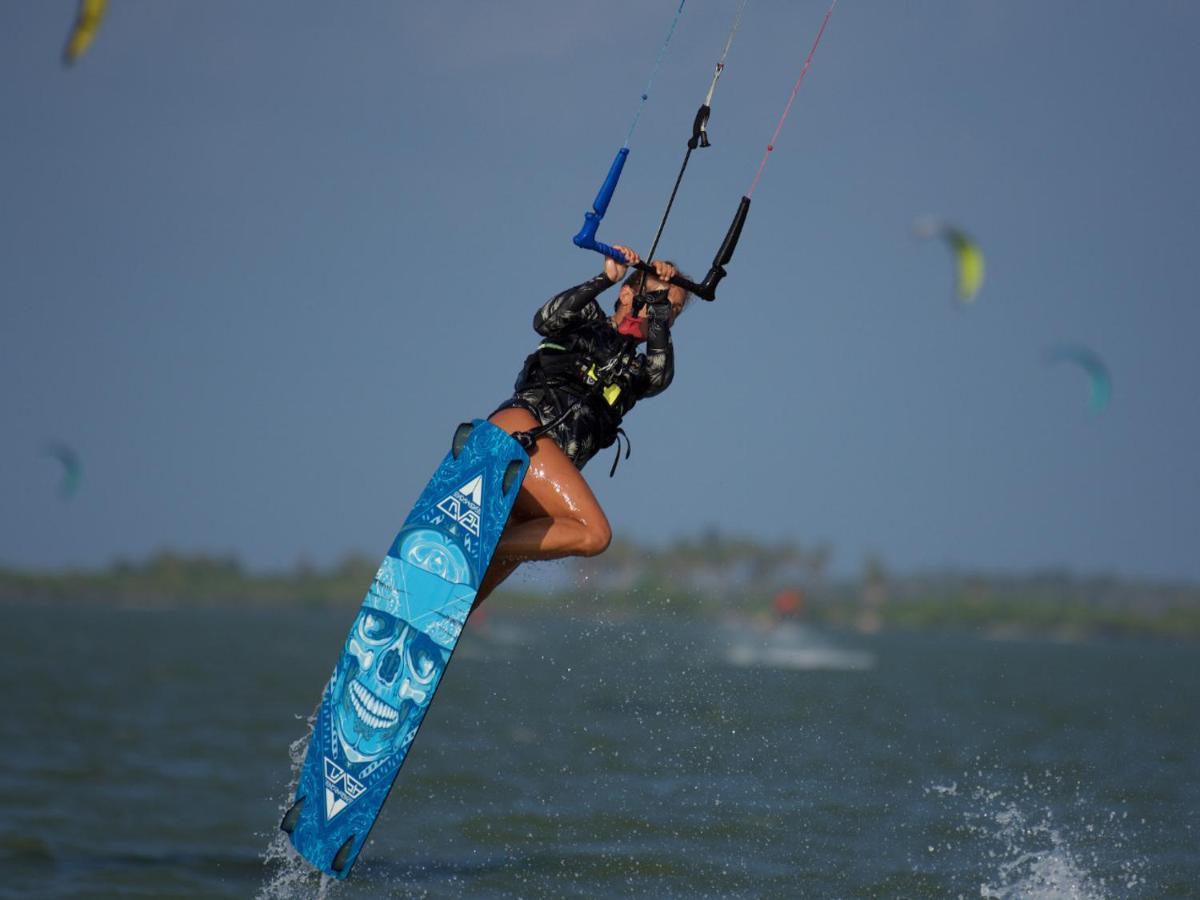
(568, 403)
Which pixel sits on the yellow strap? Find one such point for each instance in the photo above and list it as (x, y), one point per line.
(611, 391)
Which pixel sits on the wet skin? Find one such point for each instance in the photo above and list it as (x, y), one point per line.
(555, 514)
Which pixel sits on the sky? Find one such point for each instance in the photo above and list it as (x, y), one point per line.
(258, 260)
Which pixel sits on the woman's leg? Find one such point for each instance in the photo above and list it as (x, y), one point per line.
(555, 514)
(499, 570)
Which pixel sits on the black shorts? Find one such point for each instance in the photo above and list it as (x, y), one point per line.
(580, 435)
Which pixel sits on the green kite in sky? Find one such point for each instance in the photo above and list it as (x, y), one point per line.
(968, 256)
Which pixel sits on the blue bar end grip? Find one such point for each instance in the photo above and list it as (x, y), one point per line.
(586, 238)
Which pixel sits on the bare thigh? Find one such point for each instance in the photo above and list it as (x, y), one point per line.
(553, 488)
(555, 513)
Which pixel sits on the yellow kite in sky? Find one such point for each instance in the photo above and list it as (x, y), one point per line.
(83, 32)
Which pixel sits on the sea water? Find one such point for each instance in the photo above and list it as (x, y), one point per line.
(151, 753)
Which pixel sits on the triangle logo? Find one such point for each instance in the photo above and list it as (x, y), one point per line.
(465, 505)
(333, 771)
(340, 789)
(473, 490)
(333, 804)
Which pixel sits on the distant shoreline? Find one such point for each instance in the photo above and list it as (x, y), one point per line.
(650, 582)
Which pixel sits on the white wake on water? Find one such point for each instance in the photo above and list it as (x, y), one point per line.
(288, 876)
(1029, 853)
(1049, 871)
(789, 645)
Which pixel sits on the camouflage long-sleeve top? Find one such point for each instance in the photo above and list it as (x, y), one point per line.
(588, 374)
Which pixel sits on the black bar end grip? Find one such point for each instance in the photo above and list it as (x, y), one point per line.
(707, 289)
(725, 254)
(690, 286)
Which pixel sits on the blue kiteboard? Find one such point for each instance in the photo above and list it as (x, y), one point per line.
(399, 645)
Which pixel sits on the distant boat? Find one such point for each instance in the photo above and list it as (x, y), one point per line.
(791, 646)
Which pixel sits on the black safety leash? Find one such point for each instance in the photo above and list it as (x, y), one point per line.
(527, 439)
(628, 449)
(708, 287)
(699, 136)
(586, 237)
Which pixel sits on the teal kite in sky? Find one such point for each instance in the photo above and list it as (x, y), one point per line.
(72, 468)
(1092, 364)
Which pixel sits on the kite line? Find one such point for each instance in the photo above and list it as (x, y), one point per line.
(586, 236)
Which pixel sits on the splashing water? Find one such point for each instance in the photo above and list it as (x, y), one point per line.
(1049, 871)
(1036, 854)
(289, 876)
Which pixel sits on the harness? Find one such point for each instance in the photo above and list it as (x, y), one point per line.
(583, 377)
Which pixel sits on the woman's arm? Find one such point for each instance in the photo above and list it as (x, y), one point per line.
(659, 369)
(572, 307)
(577, 304)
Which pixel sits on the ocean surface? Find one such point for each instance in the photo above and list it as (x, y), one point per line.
(150, 754)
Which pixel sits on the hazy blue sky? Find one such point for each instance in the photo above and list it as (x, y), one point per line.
(258, 259)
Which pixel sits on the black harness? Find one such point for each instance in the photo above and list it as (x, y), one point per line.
(565, 367)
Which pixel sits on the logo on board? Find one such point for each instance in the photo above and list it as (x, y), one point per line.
(340, 789)
(465, 505)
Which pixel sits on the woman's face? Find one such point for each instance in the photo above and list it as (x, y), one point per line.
(675, 296)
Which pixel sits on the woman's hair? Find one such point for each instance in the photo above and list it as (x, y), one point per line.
(634, 281)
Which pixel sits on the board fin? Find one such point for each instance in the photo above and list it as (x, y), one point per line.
(510, 475)
(343, 855)
(288, 825)
(461, 433)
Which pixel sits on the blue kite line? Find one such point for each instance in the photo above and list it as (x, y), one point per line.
(585, 239)
(662, 51)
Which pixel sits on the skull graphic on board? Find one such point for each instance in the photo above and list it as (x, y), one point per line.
(387, 678)
(390, 667)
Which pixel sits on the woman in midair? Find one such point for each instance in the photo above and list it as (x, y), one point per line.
(568, 403)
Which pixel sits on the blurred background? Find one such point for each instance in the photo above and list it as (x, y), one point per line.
(905, 590)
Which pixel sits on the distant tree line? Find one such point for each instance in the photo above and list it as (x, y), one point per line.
(709, 573)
